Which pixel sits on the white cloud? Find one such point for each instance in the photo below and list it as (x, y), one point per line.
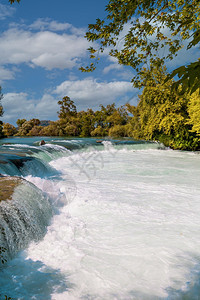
(6, 11)
(47, 24)
(5, 74)
(44, 49)
(16, 105)
(90, 93)
(111, 67)
(52, 25)
(47, 107)
(20, 105)
(86, 94)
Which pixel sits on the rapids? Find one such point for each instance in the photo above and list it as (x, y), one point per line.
(114, 220)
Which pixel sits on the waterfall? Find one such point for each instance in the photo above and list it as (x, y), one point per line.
(99, 219)
(23, 218)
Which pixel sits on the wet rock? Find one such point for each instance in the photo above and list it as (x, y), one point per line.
(8, 185)
(99, 141)
(42, 143)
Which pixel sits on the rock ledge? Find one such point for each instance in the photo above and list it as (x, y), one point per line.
(7, 186)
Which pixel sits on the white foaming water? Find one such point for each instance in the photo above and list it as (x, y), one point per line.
(131, 230)
(126, 227)
(22, 219)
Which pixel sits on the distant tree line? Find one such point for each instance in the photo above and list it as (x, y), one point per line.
(170, 117)
(107, 121)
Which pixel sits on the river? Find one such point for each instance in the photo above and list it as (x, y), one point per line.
(107, 220)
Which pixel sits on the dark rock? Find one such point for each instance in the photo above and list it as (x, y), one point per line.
(42, 143)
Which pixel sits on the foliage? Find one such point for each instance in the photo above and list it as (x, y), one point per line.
(86, 122)
(20, 122)
(12, 1)
(9, 129)
(99, 131)
(1, 107)
(35, 130)
(189, 77)
(50, 130)
(147, 32)
(117, 131)
(27, 126)
(1, 129)
(67, 108)
(194, 112)
(1, 114)
(163, 114)
(136, 32)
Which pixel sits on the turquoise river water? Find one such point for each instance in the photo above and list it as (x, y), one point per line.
(100, 220)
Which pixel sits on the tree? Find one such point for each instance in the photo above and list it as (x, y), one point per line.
(1, 107)
(102, 116)
(35, 131)
(12, 1)
(99, 131)
(118, 117)
(1, 114)
(164, 115)
(9, 129)
(20, 122)
(194, 112)
(50, 130)
(1, 129)
(67, 108)
(27, 126)
(87, 120)
(136, 32)
(117, 131)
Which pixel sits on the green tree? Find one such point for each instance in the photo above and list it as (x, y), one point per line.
(117, 131)
(87, 120)
(194, 112)
(118, 117)
(9, 129)
(12, 1)
(162, 114)
(1, 114)
(50, 130)
(20, 122)
(99, 132)
(1, 129)
(27, 126)
(35, 131)
(1, 107)
(136, 32)
(102, 116)
(67, 108)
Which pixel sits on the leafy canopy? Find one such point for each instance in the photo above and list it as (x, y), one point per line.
(146, 33)
(67, 108)
(12, 1)
(165, 115)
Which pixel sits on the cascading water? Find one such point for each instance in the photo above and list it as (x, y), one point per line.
(23, 218)
(125, 224)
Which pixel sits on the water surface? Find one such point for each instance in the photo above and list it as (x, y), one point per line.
(125, 222)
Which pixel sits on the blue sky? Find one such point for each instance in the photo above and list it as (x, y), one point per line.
(42, 46)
